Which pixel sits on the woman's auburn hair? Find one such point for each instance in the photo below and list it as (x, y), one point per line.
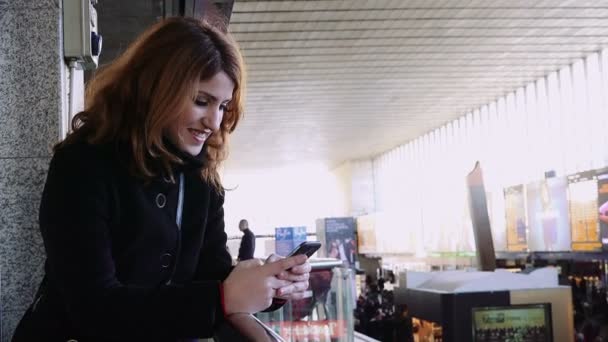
(133, 100)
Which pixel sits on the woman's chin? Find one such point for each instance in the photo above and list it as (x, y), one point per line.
(193, 150)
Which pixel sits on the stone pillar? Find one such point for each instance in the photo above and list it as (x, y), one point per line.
(32, 74)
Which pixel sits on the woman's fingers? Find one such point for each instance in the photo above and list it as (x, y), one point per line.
(273, 257)
(299, 286)
(276, 267)
(293, 277)
(277, 283)
(299, 295)
(252, 284)
(250, 263)
(301, 269)
(296, 273)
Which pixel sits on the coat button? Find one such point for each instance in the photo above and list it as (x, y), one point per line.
(161, 200)
(165, 260)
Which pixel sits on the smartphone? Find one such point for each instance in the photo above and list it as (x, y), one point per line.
(307, 247)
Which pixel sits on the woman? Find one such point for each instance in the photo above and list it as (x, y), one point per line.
(132, 210)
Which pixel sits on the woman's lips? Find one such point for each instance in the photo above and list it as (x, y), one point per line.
(198, 135)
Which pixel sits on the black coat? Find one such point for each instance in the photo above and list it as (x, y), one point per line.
(247, 246)
(118, 267)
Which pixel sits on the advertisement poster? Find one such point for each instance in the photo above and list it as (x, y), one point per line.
(584, 221)
(602, 201)
(366, 233)
(340, 241)
(496, 205)
(515, 216)
(287, 238)
(548, 219)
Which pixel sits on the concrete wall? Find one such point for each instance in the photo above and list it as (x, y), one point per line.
(32, 94)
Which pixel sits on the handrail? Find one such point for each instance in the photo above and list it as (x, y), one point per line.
(325, 263)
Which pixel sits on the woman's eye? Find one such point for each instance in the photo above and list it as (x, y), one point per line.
(224, 107)
(201, 103)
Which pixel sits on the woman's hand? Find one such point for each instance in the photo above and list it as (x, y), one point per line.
(252, 284)
(297, 276)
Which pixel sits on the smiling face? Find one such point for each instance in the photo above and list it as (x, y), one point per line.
(203, 115)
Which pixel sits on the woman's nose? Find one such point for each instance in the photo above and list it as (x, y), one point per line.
(214, 118)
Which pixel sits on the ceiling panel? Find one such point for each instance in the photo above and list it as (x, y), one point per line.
(336, 80)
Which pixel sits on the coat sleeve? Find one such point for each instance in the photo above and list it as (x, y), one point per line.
(75, 220)
(215, 261)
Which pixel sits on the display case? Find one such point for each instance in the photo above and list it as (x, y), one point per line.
(326, 315)
(490, 306)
